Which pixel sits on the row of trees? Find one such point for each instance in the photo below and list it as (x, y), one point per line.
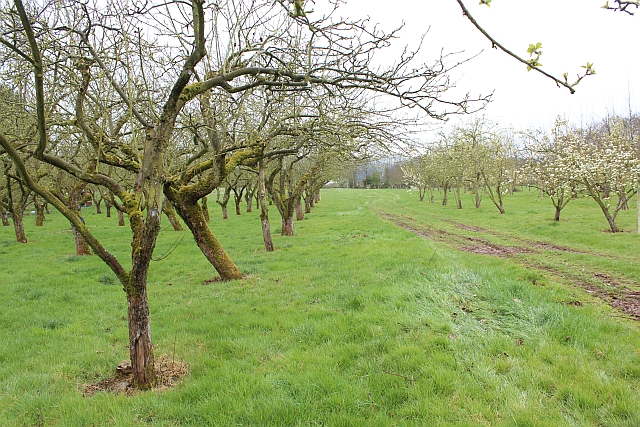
(600, 160)
(478, 157)
(155, 106)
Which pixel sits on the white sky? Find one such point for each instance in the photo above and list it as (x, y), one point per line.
(572, 33)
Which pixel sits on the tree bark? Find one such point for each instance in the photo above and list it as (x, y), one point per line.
(458, 197)
(39, 214)
(16, 209)
(556, 217)
(5, 219)
(140, 344)
(120, 219)
(264, 209)
(82, 248)
(18, 226)
(170, 212)
(192, 215)
(612, 223)
(205, 209)
(307, 203)
(299, 212)
(145, 233)
(108, 207)
(249, 199)
(445, 195)
(287, 225)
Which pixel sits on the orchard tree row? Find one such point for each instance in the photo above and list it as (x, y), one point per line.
(600, 160)
(152, 107)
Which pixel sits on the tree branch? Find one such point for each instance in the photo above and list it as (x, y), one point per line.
(531, 64)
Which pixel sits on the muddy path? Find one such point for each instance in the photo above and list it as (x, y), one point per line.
(557, 261)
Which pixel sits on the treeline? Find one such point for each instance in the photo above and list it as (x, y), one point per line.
(599, 160)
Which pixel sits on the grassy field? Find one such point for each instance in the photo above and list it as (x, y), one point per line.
(381, 311)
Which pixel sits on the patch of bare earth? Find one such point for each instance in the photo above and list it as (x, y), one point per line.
(614, 290)
(168, 373)
(494, 250)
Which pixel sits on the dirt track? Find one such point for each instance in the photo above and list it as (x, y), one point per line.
(619, 292)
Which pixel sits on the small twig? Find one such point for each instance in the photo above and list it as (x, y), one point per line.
(172, 248)
(530, 64)
(345, 235)
(435, 251)
(410, 380)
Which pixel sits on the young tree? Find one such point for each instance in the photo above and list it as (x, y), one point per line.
(606, 163)
(547, 167)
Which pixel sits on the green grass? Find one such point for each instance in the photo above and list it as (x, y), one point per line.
(353, 321)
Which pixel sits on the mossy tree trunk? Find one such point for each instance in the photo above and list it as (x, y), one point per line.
(5, 218)
(288, 193)
(205, 209)
(192, 215)
(170, 212)
(18, 227)
(307, 203)
(184, 194)
(252, 187)
(16, 206)
(39, 215)
(264, 209)
(299, 211)
(39, 205)
(74, 198)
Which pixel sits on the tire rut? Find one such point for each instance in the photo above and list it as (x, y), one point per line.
(616, 291)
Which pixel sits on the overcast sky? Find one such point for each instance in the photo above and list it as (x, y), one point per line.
(572, 33)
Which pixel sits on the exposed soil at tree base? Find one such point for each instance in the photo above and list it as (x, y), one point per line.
(168, 373)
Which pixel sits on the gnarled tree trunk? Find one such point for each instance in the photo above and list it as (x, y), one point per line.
(193, 217)
(18, 227)
(140, 344)
(287, 224)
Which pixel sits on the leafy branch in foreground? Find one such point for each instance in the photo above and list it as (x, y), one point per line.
(532, 64)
